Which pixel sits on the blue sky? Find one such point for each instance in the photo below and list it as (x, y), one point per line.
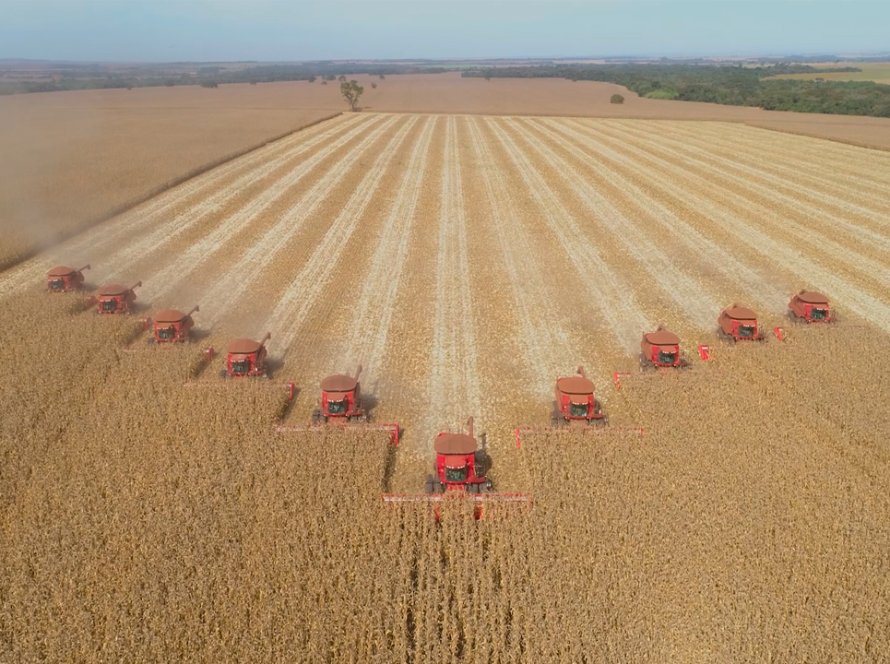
(167, 30)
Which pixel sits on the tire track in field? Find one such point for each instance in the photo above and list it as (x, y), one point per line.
(614, 297)
(697, 305)
(232, 226)
(624, 174)
(454, 376)
(761, 213)
(113, 241)
(307, 286)
(237, 278)
(797, 201)
(370, 323)
(790, 166)
(545, 343)
(787, 257)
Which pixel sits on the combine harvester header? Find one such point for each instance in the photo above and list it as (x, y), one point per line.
(458, 475)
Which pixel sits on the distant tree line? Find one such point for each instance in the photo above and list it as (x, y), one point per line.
(89, 78)
(723, 84)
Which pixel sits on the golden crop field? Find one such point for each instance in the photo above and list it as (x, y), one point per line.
(736, 511)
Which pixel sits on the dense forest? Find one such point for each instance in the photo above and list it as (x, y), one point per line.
(723, 84)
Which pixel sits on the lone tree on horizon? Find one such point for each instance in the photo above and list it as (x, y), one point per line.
(351, 92)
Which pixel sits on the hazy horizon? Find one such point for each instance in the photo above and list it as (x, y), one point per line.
(276, 30)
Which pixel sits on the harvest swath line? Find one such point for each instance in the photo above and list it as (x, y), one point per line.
(625, 174)
(814, 214)
(545, 341)
(105, 240)
(226, 290)
(454, 370)
(697, 304)
(614, 298)
(371, 320)
(779, 170)
(860, 164)
(235, 226)
(699, 186)
(306, 287)
(807, 271)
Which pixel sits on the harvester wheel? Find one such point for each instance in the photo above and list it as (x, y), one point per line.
(223, 374)
(317, 417)
(430, 485)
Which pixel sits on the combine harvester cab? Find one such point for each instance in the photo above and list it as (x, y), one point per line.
(116, 299)
(458, 476)
(341, 399)
(738, 323)
(575, 402)
(661, 350)
(246, 358)
(810, 307)
(456, 464)
(172, 326)
(64, 279)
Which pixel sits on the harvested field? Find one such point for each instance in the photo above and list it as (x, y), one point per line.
(152, 511)
(72, 158)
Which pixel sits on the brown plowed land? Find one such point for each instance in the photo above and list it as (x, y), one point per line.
(465, 261)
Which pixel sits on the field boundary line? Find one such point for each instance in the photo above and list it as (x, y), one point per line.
(24, 274)
(160, 189)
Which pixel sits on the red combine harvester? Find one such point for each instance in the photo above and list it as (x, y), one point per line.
(458, 475)
(661, 350)
(116, 299)
(341, 405)
(810, 307)
(739, 324)
(64, 279)
(575, 402)
(246, 358)
(456, 464)
(172, 326)
(341, 399)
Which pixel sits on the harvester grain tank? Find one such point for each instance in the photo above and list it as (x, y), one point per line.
(172, 326)
(661, 350)
(810, 307)
(576, 402)
(64, 279)
(246, 358)
(341, 399)
(739, 323)
(116, 299)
